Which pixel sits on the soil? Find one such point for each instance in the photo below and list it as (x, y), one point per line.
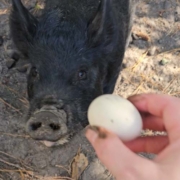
(151, 64)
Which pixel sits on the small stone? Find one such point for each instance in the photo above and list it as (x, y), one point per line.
(10, 63)
(1, 40)
(152, 51)
(163, 62)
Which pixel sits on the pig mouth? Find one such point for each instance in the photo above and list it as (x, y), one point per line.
(49, 125)
(61, 141)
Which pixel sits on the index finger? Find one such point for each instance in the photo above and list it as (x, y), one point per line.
(163, 106)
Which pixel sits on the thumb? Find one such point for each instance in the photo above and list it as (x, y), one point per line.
(118, 159)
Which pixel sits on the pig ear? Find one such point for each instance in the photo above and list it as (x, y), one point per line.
(102, 30)
(22, 26)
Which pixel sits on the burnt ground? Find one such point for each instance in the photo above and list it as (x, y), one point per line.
(151, 64)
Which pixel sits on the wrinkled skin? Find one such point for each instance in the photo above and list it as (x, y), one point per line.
(75, 51)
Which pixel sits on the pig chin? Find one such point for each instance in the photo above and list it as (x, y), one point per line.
(49, 125)
(61, 141)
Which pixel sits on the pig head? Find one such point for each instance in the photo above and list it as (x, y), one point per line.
(72, 61)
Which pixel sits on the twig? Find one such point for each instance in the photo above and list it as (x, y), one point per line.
(169, 51)
(171, 82)
(175, 93)
(138, 88)
(23, 99)
(22, 175)
(10, 89)
(18, 170)
(10, 164)
(7, 154)
(25, 102)
(139, 60)
(17, 110)
(62, 167)
(16, 159)
(14, 135)
(3, 11)
(30, 173)
(54, 178)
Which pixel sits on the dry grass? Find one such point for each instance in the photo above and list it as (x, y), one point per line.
(76, 167)
(25, 172)
(145, 78)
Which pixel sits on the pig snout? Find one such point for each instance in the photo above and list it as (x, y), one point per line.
(47, 125)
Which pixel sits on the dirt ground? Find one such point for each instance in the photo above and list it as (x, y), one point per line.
(151, 64)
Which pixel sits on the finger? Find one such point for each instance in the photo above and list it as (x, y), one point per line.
(148, 144)
(163, 106)
(119, 160)
(152, 122)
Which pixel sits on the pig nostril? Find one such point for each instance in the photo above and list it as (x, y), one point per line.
(36, 126)
(54, 127)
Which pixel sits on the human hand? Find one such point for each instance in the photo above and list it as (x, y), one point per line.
(159, 112)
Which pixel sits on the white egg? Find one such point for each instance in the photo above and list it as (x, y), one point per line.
(117, 115)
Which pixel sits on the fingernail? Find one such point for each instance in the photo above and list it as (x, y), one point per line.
(93, 128)
(136, 98)
(102, 135)
(94, 132)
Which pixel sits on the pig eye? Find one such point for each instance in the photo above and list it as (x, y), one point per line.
(82, 75)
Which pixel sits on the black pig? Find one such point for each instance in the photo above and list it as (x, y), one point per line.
(75, 50)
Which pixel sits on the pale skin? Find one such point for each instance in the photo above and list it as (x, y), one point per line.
(159, 112)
